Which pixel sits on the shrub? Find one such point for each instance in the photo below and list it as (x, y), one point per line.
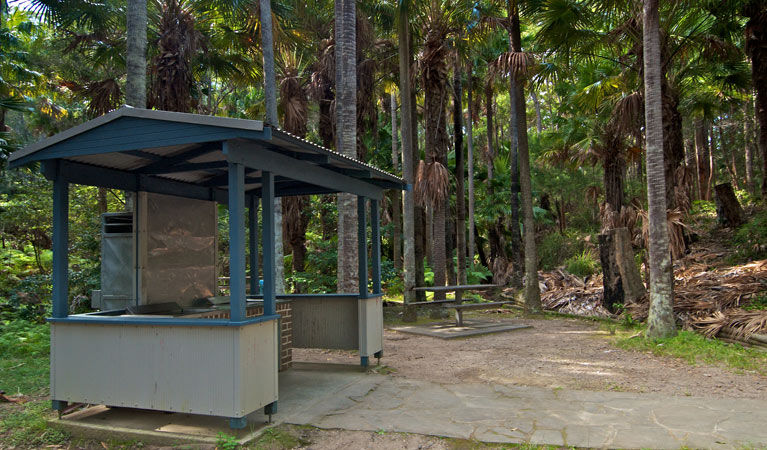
(751, 238)
(555, 249)
(582, 265)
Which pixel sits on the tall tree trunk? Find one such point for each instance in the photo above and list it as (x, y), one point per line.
(101, 199)
(408, 173)
(270, 96)
(673, 142)
(346, 139)
(660, 322)
(460, 200)
(396, 197)
(728, 153)
(614, 173)
(538, 119)
(470, 157)
(756, 48)
(135, 58)
(704, 163)
(748, 133)
(517, 261)
(532, 293)
(418, 211)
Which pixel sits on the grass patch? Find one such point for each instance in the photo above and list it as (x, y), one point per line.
(26, 425)
(24, 365)
(694, 348)
(582, 265)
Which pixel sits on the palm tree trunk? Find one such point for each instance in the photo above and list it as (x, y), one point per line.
(748, 133)
(407, 157)
(346, 138)
(756, 48)
(470, 157)
(396, 198)
(135, 58)
(460, 200)
(516, 235)
(614, 173)
(532, 293)
(704, 165)
(538, 119)
(660, 322)
(270, 95)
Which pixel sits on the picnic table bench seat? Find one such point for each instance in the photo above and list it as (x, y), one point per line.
(459, 309)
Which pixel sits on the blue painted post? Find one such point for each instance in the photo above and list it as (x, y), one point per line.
(60, 247)
(268, 244)
(237, 242)
(375, 232)
(362, 245)
(253, 230)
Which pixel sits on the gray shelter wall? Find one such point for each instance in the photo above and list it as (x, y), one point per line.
(177, 241)
(325, 322)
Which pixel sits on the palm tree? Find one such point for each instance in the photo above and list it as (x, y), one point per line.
(660, 322)
(135, 85)
(433, 177)
(346, 138)
(270, 94)
(519, 61)
(756, 47)
(294, 105)
(460, 200)
(406, 115)
(172, 79)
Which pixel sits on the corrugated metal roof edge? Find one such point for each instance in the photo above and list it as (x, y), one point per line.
(333, 153)
(129, 111)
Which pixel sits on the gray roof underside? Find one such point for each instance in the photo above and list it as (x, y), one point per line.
(142, 159)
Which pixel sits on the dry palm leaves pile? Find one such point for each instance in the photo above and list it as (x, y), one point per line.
(712, 300)
(569, 294)
(709, 300)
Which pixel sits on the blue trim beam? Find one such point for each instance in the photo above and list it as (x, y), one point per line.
(85, 174)
(253, 230)
(375, 236)
(60, 274)
(242, 152)
(362, 248)
(268, 243)
(163, 321)
(237, 294)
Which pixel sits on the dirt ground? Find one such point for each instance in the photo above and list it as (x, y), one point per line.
(555, 353)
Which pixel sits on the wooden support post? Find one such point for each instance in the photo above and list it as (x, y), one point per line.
(253, 230)
(268, 244)
(375, 232)
(60, 247)
(237, 270)
(362, 245)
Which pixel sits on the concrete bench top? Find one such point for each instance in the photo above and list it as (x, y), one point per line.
(463, 287)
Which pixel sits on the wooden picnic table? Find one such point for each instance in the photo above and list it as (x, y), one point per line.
(455, 303)
(458, 289)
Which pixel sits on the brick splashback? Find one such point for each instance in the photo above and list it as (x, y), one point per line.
(286, 327)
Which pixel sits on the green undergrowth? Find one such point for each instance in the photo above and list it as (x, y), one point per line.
(24, 365)
(26, 426)
(696, 349)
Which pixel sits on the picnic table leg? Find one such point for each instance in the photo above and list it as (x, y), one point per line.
(458, 318)
(458, 297)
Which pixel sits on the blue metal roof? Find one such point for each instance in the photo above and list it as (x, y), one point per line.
(184, 154)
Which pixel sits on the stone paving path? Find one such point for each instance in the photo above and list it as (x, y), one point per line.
(517, 414)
